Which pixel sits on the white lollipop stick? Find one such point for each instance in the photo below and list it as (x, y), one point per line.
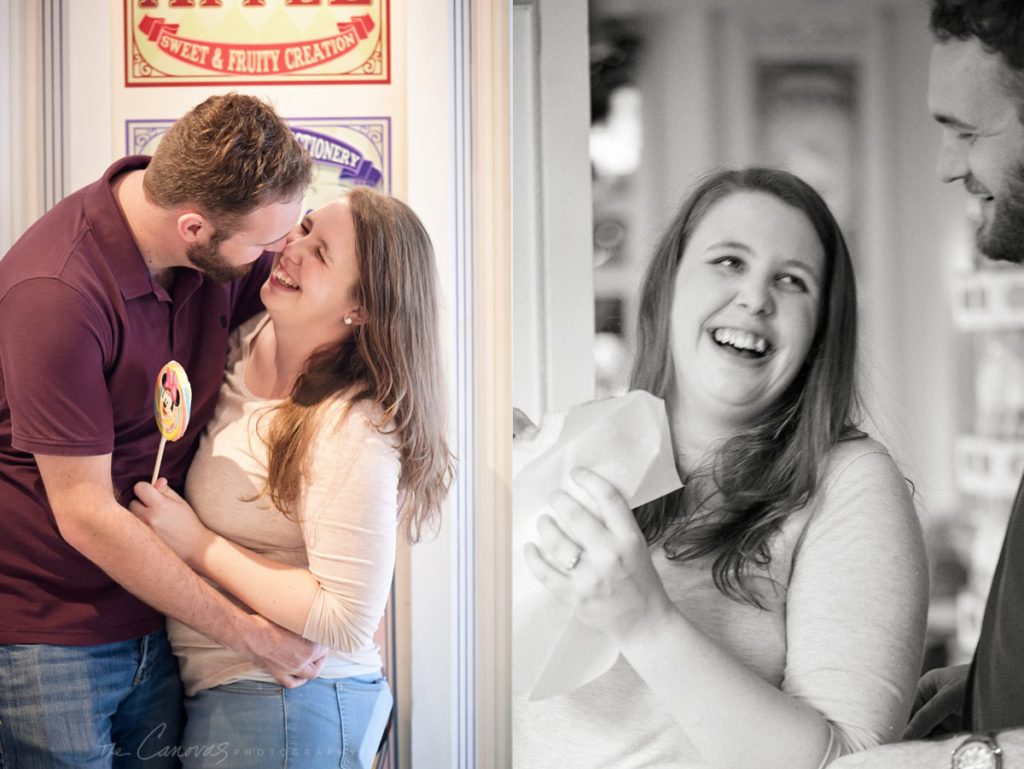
(159, 458)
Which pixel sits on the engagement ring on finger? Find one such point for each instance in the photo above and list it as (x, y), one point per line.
(571, 564)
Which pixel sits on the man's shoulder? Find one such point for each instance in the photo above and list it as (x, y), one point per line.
(46, 248)
(66, 247)
(74, 239)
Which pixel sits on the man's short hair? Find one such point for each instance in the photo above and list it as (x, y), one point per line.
(228, 156)
(998, 25)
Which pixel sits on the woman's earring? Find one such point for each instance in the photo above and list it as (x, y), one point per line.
(348, 320)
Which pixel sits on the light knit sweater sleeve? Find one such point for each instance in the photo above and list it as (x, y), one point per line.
(348, 523)
(857, 602)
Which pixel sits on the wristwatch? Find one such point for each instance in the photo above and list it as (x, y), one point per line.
(979, 751)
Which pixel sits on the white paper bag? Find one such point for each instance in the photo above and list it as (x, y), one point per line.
(627, 441)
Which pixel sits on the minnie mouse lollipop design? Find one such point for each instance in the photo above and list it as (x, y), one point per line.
(172, 406)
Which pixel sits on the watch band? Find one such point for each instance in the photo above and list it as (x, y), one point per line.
(978, 751)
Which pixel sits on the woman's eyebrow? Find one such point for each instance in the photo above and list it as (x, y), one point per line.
(733, 244)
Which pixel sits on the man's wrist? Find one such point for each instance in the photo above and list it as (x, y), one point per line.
(250, 630)
(977, 751)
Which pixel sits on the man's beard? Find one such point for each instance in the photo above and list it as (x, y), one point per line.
(209, 261)
(1003, 238)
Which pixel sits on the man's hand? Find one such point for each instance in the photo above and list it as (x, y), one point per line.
(291, 680)
(290, 658)
(938, 705)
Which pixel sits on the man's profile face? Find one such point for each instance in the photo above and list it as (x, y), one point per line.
(982, 140)
(226, 258)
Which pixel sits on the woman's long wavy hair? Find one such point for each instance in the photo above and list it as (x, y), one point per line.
(734, 504)
(392, 360)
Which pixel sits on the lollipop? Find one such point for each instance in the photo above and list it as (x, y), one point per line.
(172, 405)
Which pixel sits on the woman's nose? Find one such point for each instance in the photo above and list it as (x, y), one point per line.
(291, 252)
(755, 297)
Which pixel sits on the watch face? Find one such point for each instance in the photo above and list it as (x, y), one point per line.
(975, 755)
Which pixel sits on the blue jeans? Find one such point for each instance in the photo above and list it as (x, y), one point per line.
(328, 722)
(109, 706)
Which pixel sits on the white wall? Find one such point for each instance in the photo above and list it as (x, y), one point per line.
(21, 186)
(88, 89)
(553, 281)
(7, 82)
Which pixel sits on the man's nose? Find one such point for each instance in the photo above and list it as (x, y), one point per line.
(278, 245)
(952, 161)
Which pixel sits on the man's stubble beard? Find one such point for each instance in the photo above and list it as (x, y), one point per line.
(1003, 239)
(208, 260)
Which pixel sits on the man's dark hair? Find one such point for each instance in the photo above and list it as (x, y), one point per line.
(998, 25)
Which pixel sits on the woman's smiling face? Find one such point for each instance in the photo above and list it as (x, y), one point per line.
(745, 307)
(314, 278)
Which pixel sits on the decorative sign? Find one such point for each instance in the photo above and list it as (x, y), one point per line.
(256, 42)
(347, 152)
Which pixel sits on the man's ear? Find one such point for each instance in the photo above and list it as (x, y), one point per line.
(194, 228)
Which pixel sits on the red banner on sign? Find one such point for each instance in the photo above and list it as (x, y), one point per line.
(255, 59)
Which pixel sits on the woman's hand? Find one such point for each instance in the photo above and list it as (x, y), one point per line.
(592, 554)
(172, 518)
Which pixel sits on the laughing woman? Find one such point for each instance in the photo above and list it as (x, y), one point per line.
(328, 437)
(772, 612)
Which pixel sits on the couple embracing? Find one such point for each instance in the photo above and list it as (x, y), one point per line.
(316, 437)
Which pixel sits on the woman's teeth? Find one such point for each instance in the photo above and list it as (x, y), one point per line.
(284, 279)
(744, 341)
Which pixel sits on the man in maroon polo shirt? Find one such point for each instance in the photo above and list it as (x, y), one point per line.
(153, 262)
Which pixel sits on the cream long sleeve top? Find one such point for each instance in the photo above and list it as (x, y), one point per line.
(345, 533)
(842, 630)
